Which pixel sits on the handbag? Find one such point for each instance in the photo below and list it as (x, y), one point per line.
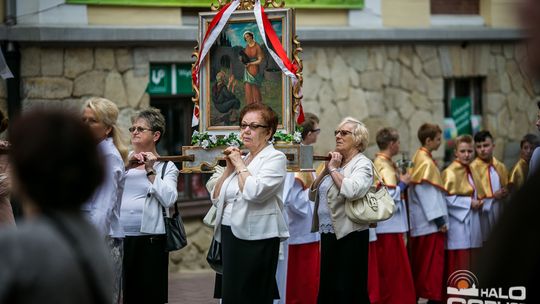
(210, 217)
(376, 206)
(214, 256)
(174, 227)
(175, 231)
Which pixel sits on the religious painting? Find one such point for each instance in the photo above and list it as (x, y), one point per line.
(239, 70)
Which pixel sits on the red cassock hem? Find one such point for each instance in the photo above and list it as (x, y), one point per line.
(427, 265)
(373, 285)
(459, 259)
(395, 277)
(303, 271)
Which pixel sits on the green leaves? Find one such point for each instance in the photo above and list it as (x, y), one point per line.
(207, 141)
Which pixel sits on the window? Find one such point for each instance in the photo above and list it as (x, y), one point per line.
(449, 13)
(462, 109)
(455, 7)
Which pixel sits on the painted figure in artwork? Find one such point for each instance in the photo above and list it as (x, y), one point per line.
(252, 56)
(224, 98)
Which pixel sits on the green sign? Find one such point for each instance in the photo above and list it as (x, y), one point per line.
(461, 111)
(170, 79)
(356, 4)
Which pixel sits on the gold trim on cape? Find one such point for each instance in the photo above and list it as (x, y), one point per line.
(518, 175)
(456, 179)
(387, 170)
(305, 178)
(482, 178)
(425, 169)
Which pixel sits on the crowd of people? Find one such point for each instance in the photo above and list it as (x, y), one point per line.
(93, 229)
(285, 237)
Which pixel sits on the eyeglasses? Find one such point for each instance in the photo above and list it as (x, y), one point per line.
(342, 132)
(252, 126)
(138, 129)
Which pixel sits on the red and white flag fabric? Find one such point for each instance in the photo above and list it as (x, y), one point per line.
(269, 37)
(273, 44)
(212, 33)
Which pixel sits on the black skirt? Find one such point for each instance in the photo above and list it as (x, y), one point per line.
(249, 270)
(344, 268)
(146, 266)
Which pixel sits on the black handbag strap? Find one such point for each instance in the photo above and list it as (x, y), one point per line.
(175, 206)
(89, 275)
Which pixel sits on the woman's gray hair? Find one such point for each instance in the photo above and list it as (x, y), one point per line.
(154, 118)
(360, 132)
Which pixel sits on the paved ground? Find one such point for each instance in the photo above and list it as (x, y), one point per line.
(192, 288)
(197, 288)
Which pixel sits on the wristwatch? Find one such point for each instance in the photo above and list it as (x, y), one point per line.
(151, 172)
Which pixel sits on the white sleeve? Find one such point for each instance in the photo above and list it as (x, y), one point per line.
(297, 200)
(358, 183)
(106, 196)
(458, 206)
(165, 189)
(211, 184)
(429, 199)
(268, 179)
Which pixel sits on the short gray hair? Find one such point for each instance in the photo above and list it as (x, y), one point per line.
(154, 118)
(360, 132)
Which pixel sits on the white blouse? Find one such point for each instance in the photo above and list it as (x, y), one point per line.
(133, 201)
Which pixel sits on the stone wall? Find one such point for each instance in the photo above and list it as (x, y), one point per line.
(67, 76)
(402, 86)
(398, 85)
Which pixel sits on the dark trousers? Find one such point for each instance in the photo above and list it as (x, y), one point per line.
(146, 266)
(249, 270)
(344, 268)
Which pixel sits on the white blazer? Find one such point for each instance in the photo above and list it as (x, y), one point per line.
(257, 211)
(161, 193)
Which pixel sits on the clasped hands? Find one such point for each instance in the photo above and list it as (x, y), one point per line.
(146, 158)
(233, 158)
(334, 162)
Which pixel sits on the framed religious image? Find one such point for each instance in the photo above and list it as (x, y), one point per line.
(239, 70)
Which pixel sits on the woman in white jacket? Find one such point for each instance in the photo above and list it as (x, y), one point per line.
(248, 195)
(150, 189)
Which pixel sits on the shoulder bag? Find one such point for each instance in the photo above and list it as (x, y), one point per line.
(174, 227)
(376, 206)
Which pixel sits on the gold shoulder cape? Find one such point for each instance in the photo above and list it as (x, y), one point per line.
(305, 178)
(456, 181)
(518, 175)
(425, 169)
(482, 179)
(386, 169)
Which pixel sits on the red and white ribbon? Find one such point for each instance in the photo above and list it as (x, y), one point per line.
(273, 44)
(269, 37)
(212, 33)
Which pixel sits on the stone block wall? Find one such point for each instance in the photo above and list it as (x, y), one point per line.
(402, 86)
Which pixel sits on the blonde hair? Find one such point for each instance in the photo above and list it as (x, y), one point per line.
(360, 132)
(106, 112)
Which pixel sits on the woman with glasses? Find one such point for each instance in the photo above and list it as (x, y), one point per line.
(248, 194)
(149, 191)
(103, 207)
(348, 175)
